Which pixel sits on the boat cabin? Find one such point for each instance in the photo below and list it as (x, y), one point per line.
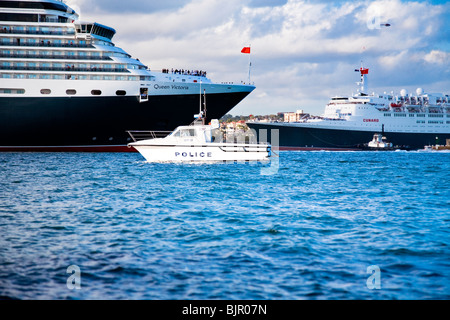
(379, 141)
(197, 133)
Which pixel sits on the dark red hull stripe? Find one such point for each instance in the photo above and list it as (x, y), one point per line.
(68, 149)
(316, 149)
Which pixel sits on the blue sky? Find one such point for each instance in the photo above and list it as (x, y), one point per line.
(303, 52)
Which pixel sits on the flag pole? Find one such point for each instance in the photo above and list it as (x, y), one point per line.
(247, 50)
(200, 111)
(249, 64)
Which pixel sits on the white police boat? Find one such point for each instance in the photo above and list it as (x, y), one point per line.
(197, 142)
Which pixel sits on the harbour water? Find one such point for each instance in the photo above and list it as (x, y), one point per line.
(326, 225)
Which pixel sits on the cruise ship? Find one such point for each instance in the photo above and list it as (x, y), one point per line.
(65, 86)
(407, 120)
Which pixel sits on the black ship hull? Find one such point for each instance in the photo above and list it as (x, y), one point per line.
(97, 123)
(307, 138)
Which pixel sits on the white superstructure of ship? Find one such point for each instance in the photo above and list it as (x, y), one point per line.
(415, 112)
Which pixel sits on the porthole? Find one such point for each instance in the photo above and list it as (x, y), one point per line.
(46, 91)
(71, 92)
(121, 93)
(96, 92)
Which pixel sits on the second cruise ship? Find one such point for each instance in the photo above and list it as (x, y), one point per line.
(409, 121)
(65, 86)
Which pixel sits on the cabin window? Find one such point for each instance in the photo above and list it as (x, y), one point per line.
(184, 133)
(187, 133)
(71, 92)
(96, 92)
(121, 93)
(46, 91)
(12, 91)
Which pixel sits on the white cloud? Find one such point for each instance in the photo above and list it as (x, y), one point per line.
(438, 57)
(302, 51)
(393, 60)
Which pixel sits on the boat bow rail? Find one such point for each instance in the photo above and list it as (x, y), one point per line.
(138, 135)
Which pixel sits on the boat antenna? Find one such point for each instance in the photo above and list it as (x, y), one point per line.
(249, 65)
(200, 111)
(204, 106)
(200, 116)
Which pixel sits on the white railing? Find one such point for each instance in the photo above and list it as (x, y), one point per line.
(138, 135)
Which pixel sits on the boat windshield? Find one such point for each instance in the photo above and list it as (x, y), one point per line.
(184, 133)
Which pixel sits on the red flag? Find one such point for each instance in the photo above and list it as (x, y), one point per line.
(364, 71)
(245, 50)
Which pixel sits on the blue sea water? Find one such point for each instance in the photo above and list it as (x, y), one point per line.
(313, 230)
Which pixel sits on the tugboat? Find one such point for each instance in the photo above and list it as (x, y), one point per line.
(198, 142)
(380, 143)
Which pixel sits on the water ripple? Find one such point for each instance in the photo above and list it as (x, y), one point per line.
(161, 231)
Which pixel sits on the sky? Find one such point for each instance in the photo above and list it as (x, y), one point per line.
(302, 52)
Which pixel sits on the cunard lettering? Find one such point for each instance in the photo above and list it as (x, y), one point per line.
(371, 120)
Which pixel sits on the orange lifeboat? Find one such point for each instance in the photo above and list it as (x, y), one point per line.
(396, 105)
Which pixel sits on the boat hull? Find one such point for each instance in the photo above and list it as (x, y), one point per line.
(97, 123)
(298, 137)
(203, 153)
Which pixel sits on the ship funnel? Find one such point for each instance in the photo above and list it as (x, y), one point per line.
(363, 83)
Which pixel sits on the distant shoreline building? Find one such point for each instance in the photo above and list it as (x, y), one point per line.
(295, 116)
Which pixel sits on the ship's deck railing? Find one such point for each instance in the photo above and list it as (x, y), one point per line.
(46, 45)
(138, 135)
(38, 32)
(95, 69)
(194, 73)
(53, 56)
